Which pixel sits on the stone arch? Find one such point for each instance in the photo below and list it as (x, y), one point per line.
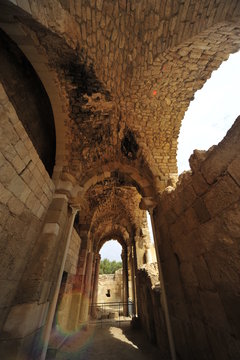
(106, 230)
(125, 173)
(48, 76)
(21, 83)
(186, 67)
(112, 235)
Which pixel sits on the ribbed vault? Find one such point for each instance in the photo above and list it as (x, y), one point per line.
(128, 72)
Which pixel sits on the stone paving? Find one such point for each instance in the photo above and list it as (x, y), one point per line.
(109, 343)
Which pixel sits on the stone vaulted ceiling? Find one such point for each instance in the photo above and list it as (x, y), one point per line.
(120, 75)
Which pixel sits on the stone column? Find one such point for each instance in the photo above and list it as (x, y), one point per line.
(95, 285)
(134, 280)
(52, 307)
(125, 281)
(92, 280)
(163, 293)
(149, 203)
(84, 311)
(78, 286)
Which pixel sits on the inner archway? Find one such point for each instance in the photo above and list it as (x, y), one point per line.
(111, 285)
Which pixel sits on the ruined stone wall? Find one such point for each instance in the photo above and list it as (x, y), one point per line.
(113, 282)
(150, 310)
(198, 231)
(25, 194)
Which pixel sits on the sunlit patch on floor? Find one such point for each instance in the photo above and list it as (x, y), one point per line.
(118, 334)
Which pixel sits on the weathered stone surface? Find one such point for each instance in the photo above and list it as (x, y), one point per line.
(115, 79)
(206, 250)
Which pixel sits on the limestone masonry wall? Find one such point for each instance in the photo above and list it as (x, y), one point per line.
(198, 227)
(25, 193)
(150, 310)
(112, 282)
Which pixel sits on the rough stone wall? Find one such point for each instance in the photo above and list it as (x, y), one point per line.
(25, 193)
(150, 311)
(198, 229)
(112, 282)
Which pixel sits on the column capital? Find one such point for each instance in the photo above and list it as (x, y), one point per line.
(148, 203)
(74, 210)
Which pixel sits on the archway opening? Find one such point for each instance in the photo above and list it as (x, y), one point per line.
(111, 250)
(112, 284)
(212, 112)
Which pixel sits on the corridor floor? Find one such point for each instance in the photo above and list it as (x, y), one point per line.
(108, 343)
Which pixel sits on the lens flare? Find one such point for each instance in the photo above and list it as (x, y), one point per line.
(66, 334)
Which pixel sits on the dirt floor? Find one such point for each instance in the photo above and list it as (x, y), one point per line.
(108, 342)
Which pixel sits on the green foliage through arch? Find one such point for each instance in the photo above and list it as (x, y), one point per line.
(109, 267)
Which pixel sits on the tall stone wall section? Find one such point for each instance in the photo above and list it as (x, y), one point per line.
(113, 282)
(198, 231)
(150, 311)
(25, 194)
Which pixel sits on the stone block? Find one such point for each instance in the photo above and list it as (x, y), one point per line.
(12, 156)
(213, 310)
(202, 274)
(51, 228)
(199, 184)
(201, 210)
(191, 219)
(230, 220)
(223, 266)
(24, 319)
(40, 212)
(19, 188)
(5, 195)
(222, 194)
(234, 170)
(7, 173)
(177, 229)
(15, 206)
(24, 4)
(221, 156)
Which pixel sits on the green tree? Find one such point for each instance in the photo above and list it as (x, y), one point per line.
(109, 267)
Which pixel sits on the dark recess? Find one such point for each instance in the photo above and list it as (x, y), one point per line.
(129, 146)
(29, 99)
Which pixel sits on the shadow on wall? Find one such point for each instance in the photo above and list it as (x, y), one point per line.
(29, 98)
